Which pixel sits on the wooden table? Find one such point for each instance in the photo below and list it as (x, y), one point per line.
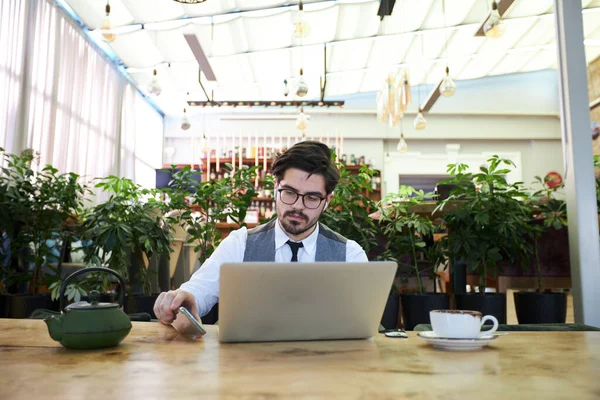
(155, 363)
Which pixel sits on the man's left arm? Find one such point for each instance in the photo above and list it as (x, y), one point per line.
(355, 253)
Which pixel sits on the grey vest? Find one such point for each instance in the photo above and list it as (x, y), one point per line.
(260, 244)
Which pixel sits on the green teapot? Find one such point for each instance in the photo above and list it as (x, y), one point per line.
(92, 325)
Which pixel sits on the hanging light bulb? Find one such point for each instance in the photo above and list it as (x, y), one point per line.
(185, 122)
(301, 121)
(420, 122)
(402, 145)
(204, 147)
(494, 26)
(302, 88)
(301, 26)
(286, 89)
(447, 87)
(154, 87)
(106, 26)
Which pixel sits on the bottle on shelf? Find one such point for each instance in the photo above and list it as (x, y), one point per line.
(269, 211)
(263, 209)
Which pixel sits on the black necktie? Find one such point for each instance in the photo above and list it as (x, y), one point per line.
(295, 246)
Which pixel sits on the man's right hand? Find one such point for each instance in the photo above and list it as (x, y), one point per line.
(166, 306)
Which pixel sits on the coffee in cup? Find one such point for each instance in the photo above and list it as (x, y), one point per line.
(460, 324)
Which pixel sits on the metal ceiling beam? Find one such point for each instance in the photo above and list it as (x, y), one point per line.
(432, 98)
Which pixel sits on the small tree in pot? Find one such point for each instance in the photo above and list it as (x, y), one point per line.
(546, 230)
(126, 230)
(404, 232)
(36, 209)
(487, 226)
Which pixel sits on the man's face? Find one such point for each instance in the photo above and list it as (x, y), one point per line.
(297, 219)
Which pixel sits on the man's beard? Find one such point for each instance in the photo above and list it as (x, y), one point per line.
(294, 227)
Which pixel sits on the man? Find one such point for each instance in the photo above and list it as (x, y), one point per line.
(305, 178)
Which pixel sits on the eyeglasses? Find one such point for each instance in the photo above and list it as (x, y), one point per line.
(310, 201)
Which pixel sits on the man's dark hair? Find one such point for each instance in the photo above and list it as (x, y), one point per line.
(311, 157)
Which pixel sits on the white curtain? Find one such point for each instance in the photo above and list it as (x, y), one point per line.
(80, 113)
(142, 139)
(12, 42)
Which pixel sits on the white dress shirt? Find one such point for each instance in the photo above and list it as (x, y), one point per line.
(204, 284)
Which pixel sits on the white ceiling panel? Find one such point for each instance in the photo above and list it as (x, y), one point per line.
(438, 70)
(232, 70)
(274, 66)
(417, 73)
(92, 12)
(310, 58)
(322, 23)
(428, 45)
(344, 82)
(591, 21)
(389, 50)
(238, 92)
(357, 20)
(257, 4)
(544, 59)
(224, 39)
(542, 32)
(137, 49)
(172, 45)
(480, 65)
(185, 76)
(209, 8)
(154, 10)
(524, 8)
(594, 35)
(257, 33)
(251, 47)
(348, 55)
(373, 78)
(456, 11)
(462, 41)
(407, 16)
(591, 53)
(513, 61)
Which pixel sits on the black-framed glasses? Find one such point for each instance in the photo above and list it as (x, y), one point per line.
(310, 201)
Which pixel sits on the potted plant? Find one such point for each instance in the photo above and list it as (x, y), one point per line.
(405, 232)
(125, 232)
(348, 211)
(550, 217)
(37, 211)
(215, 201)
(488, 225)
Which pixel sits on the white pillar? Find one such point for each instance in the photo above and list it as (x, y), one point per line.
(584, 243)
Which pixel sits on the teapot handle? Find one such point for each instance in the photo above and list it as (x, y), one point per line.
(63, 287)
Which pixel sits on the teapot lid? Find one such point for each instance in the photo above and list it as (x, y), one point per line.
(93, 305)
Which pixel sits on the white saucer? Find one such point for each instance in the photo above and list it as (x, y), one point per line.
(466, 344)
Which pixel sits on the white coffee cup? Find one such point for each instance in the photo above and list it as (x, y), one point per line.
(460, 324)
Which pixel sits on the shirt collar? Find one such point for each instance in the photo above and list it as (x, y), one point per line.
(309, 243)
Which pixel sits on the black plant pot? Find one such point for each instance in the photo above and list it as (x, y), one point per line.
(3, 307)
(389, 320)
(488, 304)
(140, 304)
(541, 308)
(22, 305)
(416, 307)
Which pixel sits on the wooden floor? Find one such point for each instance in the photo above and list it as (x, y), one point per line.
(511, 315)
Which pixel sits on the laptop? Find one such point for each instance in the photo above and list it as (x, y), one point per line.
(264, 302)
